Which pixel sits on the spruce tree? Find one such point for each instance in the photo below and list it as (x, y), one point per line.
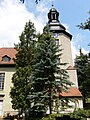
(49, 78)
(23, 61)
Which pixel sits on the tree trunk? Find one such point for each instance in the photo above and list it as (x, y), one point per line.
(84, 102)
(50, 101)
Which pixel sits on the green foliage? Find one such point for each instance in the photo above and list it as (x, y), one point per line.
(81, 114)
(23, 61)
(48, 117)
(85, 25)
(25, 49)
(36, 1)
(38, 78)
(53, 116)
(47, 76)
(82, 64)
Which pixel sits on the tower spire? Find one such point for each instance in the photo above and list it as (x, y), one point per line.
(53, 20)
(53, 15)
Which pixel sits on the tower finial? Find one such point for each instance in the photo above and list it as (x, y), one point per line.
(52, 5)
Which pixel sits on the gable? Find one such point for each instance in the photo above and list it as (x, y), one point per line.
(6, 58)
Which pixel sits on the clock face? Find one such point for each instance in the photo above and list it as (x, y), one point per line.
(55, 35)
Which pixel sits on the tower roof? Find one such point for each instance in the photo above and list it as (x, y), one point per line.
(53, 15)
(54, 23)
(53, 9)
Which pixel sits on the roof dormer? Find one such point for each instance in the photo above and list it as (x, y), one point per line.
(6, 58)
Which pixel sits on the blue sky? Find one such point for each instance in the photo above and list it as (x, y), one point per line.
(73, 12)
(14, 15)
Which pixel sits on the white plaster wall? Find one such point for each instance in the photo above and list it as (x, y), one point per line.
(73, 77)
(66, 57)
(7, 106)
(66, 46)
(76, 103)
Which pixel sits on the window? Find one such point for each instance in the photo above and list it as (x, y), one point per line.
(2, 77)
(6, 58)
(57, 42)
(1, 107)
(58, 61)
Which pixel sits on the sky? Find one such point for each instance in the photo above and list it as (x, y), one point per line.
(14, 14)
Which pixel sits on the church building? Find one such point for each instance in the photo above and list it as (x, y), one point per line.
(7, 67)
(63, 38)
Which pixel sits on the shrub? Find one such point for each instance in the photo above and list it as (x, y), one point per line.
(81, 114)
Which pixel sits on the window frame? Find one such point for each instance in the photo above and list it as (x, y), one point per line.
(57, 42)
(2, 80)
(6, 58)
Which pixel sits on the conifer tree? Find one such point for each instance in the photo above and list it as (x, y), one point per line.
(82, 64)
(23, 61)
(48, 77)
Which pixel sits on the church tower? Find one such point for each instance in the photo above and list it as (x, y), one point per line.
(63, 38)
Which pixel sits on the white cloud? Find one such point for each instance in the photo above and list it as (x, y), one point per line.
(42, 8)
(74, 51)
(78, 38)
(84, 51)
(66, 26)
(75, 45)
(13, 16)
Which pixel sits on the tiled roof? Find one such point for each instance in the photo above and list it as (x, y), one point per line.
(10, 52)
(72, 92)
(71, 68)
